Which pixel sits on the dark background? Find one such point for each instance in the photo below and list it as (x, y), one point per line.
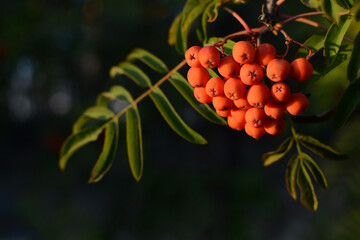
(55, 58)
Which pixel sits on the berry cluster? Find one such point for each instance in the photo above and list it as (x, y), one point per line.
(242, 96)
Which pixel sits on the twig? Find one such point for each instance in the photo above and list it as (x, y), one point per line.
(240, 19)
(290, 40)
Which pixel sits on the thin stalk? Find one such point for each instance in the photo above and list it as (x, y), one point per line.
(240, 19)
(293, 131)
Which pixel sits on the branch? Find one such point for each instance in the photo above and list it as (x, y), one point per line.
(237, 16)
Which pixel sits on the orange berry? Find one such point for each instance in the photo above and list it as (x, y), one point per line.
(278, 70)
(301, 70)
(225, 113)
(297, 104)
(234, 88)
(255, 117)
(201, 95)
(215, 87)
(280, 92)
(258, 95)
(209, 57)
(237, 119)
(275, 126)
(256, 133)
(222, 103)
(251, 73)
(242, 103)
(192, 56)
(265, 53)
(228, 67)
(243, 52)
(198, 77)
(274, 110)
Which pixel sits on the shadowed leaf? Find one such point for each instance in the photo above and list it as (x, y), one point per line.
(319, 148)
(149, 59)
(173, 119)
(354, 64)
(274, 156)
(180, 83)
(92, 113)
(132, 72)
(314, 169)
(307, 193)
(290, 175)
(104, 162)
(75, 141)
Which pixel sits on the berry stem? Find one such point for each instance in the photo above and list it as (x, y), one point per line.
(240, 19)
(290, 40)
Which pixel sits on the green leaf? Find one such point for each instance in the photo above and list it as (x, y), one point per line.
(201, 30)
(212, 73)
(315, 43)
(228, 46)
(314, 169)
(334, 37)
(307, 193)
(104, 162)
(92, 113)
(175, 34)
(332, 9)
(149, 59)
(356, 11)
(346, 4)
(274, 156)
(132, 72)
(347, 104)
(75, 141)
(180, 83)
(290, 175)
(134, 142)
(319, 148)
(354, 64)
(311, 3)
(173, 119)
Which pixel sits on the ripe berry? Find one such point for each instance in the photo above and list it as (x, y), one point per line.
(243, 52)
(278, 70)
(237, 119)
(256, 133)
(265, 53)
(215, 87)
(297, 104)
(201, 95)
(209, 57)
(275, 126)
(258, 95)
(192, 56)
(274, 110)
(225, 113)
(198, 77)
(242, 103)
(228, 67)
(251, 73)
(222, 103)
(301, 70)
(234, 88)
(255, 117)
(280, 92)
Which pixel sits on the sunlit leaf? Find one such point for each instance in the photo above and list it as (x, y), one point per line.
(75, 141)
(307, 193)
(148, 58)
(173, 119)
(212, 73)
(315, 43)
(319, 148)
(348, 103)
(334, 37)
(314, 169)
(228, 46)
(311, 3)
(92, 113)
(346, 4)
(332, 9)
(290, 175)
(175, 34)
(132, 72)
(274, 156)
(180, 83)
(104, 162)
(354, 64)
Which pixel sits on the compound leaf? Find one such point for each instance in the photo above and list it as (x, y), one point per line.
(148, 58)
(307, 193)
(92, 113)
(290, 175)
(314, 169)
(173, 119)
(104, 162)
(319, 148)
(132, 72)
(75, 141)
(274, 156)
